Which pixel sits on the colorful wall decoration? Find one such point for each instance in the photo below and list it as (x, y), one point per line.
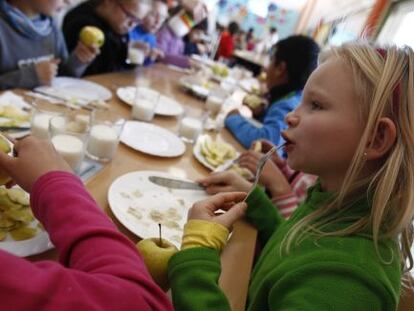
(284, 20)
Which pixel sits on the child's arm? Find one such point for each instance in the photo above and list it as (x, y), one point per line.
(195, 270)
(99, 267)
(71, 65)
(246, 133)
(262, 214)
(22, 78)
(261, 211)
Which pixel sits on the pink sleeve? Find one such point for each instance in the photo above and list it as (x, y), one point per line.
(286, 204)
(99, 267)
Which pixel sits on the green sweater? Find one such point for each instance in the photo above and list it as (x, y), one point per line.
(330, 273)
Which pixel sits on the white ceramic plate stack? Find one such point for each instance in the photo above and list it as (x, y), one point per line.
(140, 205)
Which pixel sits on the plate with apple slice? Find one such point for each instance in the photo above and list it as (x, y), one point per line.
(140, 205)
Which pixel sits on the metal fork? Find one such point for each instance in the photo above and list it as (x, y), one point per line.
(260, 166)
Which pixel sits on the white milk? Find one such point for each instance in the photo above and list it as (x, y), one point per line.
(214, 103)
(70, 148)
(143, 110)
(136, 56)
(40, 125)
(103, 142)
(190, 128)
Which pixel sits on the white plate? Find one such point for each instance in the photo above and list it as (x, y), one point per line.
(152, 139)
(36, 245)
(202, 160)
(72, 88)
(187, 83)
(135, 202)
(166, 105)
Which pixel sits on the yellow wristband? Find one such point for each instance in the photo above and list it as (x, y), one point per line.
(202, 233)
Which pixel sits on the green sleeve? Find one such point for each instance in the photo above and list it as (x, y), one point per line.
(193, 275)
(262, 214)
(333, 286)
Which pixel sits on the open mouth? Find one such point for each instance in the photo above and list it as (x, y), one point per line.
(287, 139)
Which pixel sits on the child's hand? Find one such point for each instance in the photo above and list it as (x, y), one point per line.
(271, 178)
(47, 70)
(86, 54)
(156, 54)
(225, 182)
(35, 158)
(230, 202)
(265, 147)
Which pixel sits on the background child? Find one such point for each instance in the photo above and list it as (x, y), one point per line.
(294, 60)
(115, 18)
(99, 268)
(347, 246)
(32, 48)
(145, 34)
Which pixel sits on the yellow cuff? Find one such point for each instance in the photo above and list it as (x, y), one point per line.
(202, 233)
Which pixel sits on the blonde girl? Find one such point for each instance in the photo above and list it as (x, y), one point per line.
(347, 246)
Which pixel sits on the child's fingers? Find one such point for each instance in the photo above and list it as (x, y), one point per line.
(236, 212)
(219, 200)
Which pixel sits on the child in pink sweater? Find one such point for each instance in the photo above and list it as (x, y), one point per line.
(98, 268)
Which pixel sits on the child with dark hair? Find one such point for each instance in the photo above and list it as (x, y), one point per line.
(294, 60)
(115, 18)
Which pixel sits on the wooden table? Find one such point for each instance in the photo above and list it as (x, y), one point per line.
(238, 256)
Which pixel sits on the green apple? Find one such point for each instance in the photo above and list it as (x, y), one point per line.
(4, 147)
(91, 35)
(156, 258)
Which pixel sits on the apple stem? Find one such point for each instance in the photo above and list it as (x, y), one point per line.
(159, 228)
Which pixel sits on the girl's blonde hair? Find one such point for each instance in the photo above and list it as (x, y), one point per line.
(384, 82)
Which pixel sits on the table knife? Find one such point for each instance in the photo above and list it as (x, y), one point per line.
(174, 183)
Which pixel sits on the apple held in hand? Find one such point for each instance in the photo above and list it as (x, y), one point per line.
(91, 35)
(4, 147)
(156, 253)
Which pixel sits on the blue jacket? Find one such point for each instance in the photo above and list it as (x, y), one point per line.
(273, 122)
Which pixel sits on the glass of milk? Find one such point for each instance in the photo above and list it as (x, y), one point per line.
(69, 136)
(190, 128)
(43, 111)
(145, 103)
(136, 55)
(104, 135)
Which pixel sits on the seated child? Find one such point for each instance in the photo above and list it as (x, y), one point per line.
(348, 245)
(115, 18)
(294, 60)
(98, 268)
(144, 34)
(32, 48)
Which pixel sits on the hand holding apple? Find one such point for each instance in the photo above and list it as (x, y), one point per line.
(86, 54)
(156, 252)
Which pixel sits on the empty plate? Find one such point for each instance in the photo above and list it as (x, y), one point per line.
(151, 139)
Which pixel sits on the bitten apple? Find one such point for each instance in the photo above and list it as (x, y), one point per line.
(91, 35)
(156, 255)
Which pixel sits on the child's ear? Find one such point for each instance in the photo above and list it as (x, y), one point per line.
(383, 140)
